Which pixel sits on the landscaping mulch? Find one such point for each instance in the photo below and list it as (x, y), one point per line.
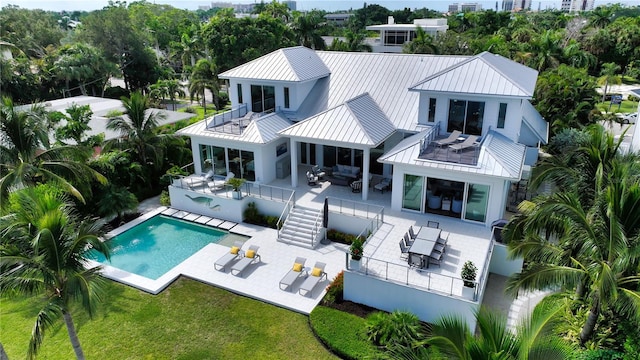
(353, 308)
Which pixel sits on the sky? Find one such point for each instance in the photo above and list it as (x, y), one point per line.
(303, 5)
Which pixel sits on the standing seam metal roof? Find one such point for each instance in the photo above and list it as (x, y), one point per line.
(289, 64)
(485, 74)
(260, 131)
(358, 121)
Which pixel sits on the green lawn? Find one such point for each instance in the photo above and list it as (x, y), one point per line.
(626, 107)
(188, 320)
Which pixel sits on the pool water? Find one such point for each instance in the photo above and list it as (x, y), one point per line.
(153, 247)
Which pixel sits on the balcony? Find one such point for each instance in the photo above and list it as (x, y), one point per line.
(431, 151)
(233, 121)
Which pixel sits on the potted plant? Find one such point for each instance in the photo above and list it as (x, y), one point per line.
(469, 271)
(236, 184)
(356, 251)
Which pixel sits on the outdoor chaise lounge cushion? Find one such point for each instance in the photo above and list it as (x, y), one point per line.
(218, 184)
(227, 258)
(470, 141)
(453, 137)
(243, 263)
(293, 274)
(316, 276)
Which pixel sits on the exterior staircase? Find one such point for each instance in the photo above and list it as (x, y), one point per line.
(303, 227)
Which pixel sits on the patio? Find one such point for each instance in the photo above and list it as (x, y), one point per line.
(468, 156)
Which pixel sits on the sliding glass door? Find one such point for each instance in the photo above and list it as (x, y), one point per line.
(477, 201)
(466, 116)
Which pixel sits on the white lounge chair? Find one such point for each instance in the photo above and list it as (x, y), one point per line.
(383, 185)
(233, 254)
(453, 137)
(317, 274)
(249, 257)
(219, 184)
(470, 141)
(296, 272)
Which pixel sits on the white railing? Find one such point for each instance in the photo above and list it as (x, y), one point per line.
(485, 271)
(317, 227)
(219, 119)
(284, 216)
(431, 135)
(199, 184)
(268, 192)
(354, 208)
(414, 277)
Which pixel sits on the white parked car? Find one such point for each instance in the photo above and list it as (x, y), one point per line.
(629, 118)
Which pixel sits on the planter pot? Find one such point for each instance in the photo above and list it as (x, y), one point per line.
(354, 265)
(468, 292)
(237, 195)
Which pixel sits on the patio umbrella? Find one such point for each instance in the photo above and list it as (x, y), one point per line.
(325, 218)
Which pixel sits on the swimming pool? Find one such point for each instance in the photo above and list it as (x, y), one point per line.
(157, 245)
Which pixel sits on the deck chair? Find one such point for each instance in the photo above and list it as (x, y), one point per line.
(311, 178)
(435, 258)
(356, 186)
(453, 137)
(313, 279)
(383, 185)
(233, 254)
(467, 143)
(250, 257)
(296, 271)
(219, 184)
(404, 251)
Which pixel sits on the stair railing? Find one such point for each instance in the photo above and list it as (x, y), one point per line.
(291, 202)
(317, 225)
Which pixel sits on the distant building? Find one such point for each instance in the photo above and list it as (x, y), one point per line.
(576, 5)
(516, 5)
(290, 4)
(457, 7)
(393, 36)
(337, 19)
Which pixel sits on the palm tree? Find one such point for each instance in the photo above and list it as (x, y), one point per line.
(609, 75)
(356, 42)
(189, 49)
(547, 51)
(53, 265)
(26, 157)
(277, 10)
(205, 77)
(307, 30)
(174, 88)
(600, 17)
(137, 131)
(453, 339)
(421, 44)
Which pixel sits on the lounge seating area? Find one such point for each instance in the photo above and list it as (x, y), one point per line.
(249, 257)
(296, 272)
(316, 275)
(383, 185)
(233, 254)
(346, 171)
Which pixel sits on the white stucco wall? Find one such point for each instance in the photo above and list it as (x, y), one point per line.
(230, 209)
(499, 263)
(390, 296)
(297, 92)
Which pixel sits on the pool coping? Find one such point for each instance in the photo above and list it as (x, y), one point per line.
(143, 283)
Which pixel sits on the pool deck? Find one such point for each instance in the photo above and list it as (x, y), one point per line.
(259, 281)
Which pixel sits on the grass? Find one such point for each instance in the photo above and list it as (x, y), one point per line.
(343, 333)
(188, 320)
(626, 107)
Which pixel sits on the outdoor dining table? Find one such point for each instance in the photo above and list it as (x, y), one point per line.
(424, 243)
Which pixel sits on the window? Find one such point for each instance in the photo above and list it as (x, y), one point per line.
(286, 98)
(432, 110)
(466, 116)
(412, 192)
(263, 98)
(502, 114)
(477, 200)
(240, 94)
(392, 37)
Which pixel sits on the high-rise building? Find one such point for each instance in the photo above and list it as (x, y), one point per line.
(516, 5)
(576, 5)
(456, 7)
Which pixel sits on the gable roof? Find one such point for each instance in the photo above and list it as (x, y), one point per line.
(499, 157)
(357, 121)
(289, 64)
(485, 74)
(259, 131)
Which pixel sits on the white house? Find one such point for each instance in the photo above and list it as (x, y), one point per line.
(393, 36)
(380, 114)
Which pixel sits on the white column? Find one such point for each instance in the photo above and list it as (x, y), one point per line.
(365, 173)
(197, 161)
(294, 162)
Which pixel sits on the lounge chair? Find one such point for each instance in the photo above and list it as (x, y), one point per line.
(317, 273)
(356, 186)
(250, 257)
(296, 271)
(219, 184)
(311, 178)
(470, 141)
(315, 170)
(453, 137)
(383, 185)
(233, 254)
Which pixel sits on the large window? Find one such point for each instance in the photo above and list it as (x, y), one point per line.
(240, 94)
(502, 115)
(466, 116)
(263, 98)
(393, 37)
(477, 200)
(212, 158)
(432, 110)
(412, 192)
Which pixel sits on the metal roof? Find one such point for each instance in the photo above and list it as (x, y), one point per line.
(357, 121)
(483, 74)
(260, 131)
(499, 157)
(288, 64)
(385, 77)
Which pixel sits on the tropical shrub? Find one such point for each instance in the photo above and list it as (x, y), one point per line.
(397, 328)
(335, 290)
(165, 200)
(356, 249)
